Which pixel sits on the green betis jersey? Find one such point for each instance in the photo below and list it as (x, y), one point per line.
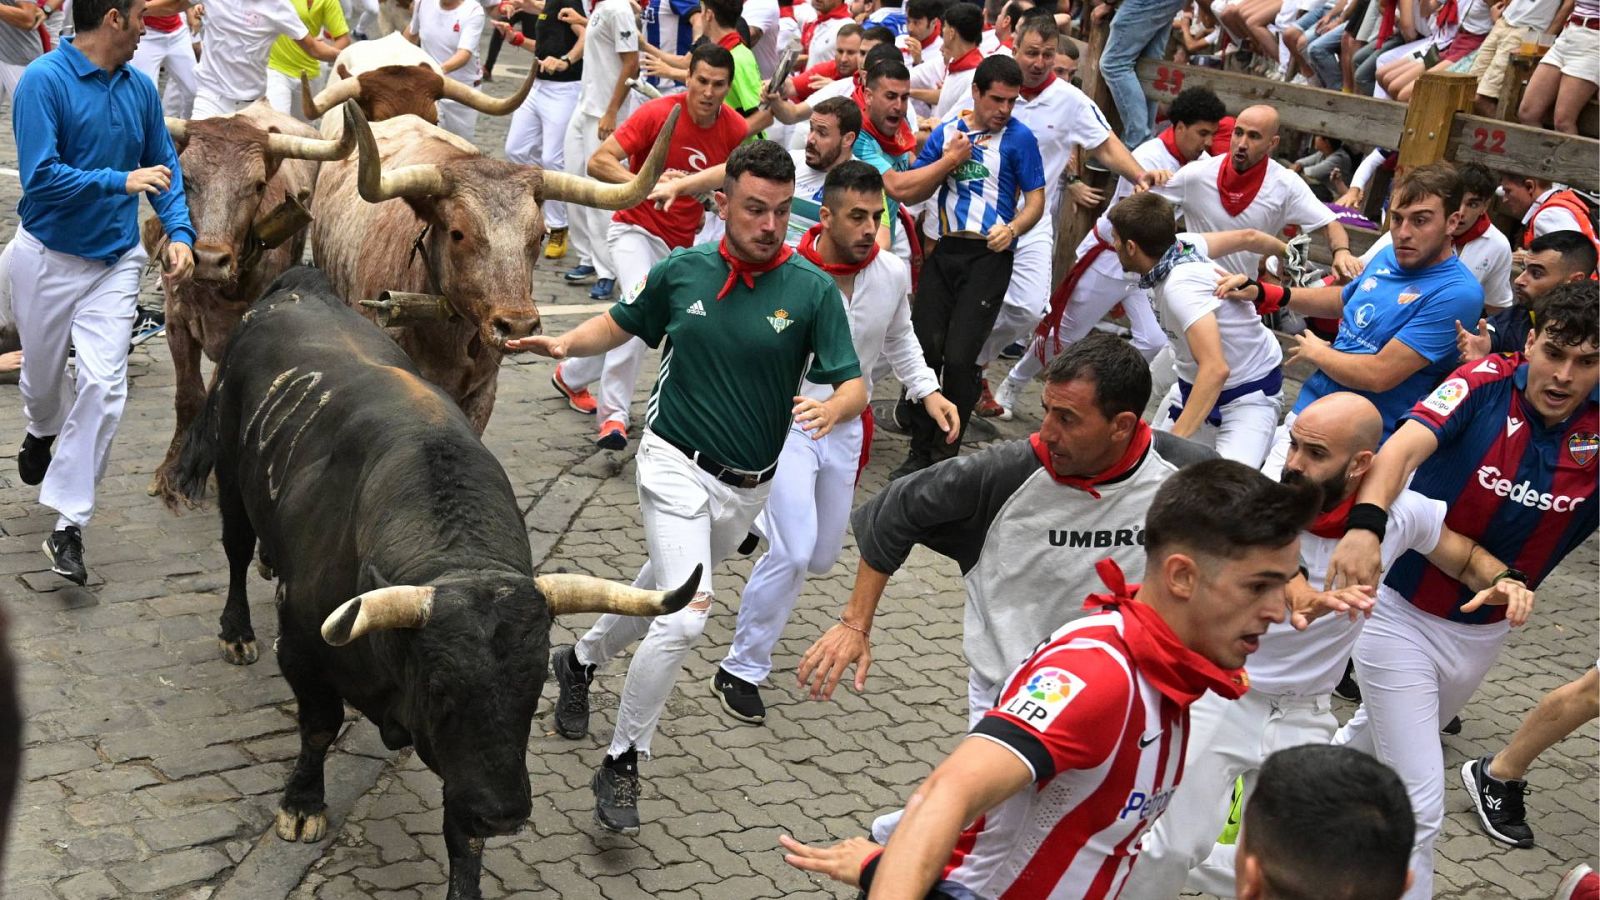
(731, 368)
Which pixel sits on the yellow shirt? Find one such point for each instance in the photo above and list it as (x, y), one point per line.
(319, 16)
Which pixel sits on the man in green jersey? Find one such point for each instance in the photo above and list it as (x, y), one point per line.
(743, 320)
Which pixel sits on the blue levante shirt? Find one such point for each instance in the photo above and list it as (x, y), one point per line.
(80, 130)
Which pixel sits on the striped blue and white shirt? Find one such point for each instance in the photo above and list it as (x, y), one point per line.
(983, 190)
(669, 25)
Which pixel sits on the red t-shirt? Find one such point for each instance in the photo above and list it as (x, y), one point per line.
(692, 149)
(802, 82)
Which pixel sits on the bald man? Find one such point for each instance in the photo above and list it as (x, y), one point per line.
(1293, 674)
(1248, 189)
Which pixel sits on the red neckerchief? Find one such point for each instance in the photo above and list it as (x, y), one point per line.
(1030, 94)
(1169, 140)
(1391, 14)
(1331, 524)
(1222, 140)
(968, 61)
(739, 270)
(808, 252)
(1449, 14)
(1471, 234)
(842, 11)
(1238, 189)
(786, 12)
(1124, 464)
(729, 40)
(902, 142)
(1179, 673)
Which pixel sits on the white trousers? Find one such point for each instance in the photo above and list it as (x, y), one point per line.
(362, 15)
(1249, 424)
(458, 119)
(170, 50)
(1098, 290)
(1227, 739)
(283, 92)
(537, 135)
(208, 106)
(586, 226)
(1416, 672)
(981, 695)
(634, 251)
(690, 519)
(9, 76)
(1028, 297)
(59, 299)
(804, 523)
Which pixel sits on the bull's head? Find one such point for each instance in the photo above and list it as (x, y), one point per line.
(228, 165)
(391, 91)
(486, 221)
(475, 650)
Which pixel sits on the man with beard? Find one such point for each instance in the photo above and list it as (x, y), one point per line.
(1552, 259)
(809, 506)
(743, 321)
(1293, 674)
(835, 125)
(1509, 444)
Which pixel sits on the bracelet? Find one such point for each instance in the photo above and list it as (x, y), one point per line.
(1339, 250)
(1510, 575)
(518, 39)
(1368, 517)
(859, 630)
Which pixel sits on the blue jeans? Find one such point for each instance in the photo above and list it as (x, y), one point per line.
(1366, 62)
(1138, 29)
(1323, 55)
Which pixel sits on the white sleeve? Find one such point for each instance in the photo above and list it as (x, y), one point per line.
(928, 74)
(1173, 189)
(1191, 295)
(625, 37)
(1088, 127)
(1496, 279)
(416, 13)
(288, 21)
(1554, 218)
(471, 19)
(1301, 207)
(1383, 241)
(901, 348)
(1416, 523)
(1368, 168)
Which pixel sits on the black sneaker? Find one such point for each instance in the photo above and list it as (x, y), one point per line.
(749, 544)
(1014, 350)
(740, 698)
(148, 323)
(65, 549)
(915, 462)
(572, 706)
(1499, 803)
(1348, 689)
(616, 794)
(33, 460)
(1453, 726)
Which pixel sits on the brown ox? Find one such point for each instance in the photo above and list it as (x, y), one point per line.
(237, 170)
(442, 219)
(394, 77)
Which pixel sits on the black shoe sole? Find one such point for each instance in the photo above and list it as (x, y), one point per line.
(555, 717)
(77, 578)
(1452, 727)
(600, 820)
(1470, 782)
(612, 441)
(728, 707)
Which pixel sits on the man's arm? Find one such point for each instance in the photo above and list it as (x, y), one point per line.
(25, 15)
(1481, 571)
(1032, 211)
(1374, 372)
(456, 60)
(45, 176)
(171, 205)
(1222, 243)
(607, 163)
(597, 335)
(1114, 155)
(846, 402)
(1205, 343)
(1345, 264)
(326, 52)
(1357, 559)
(918, 184)
(619, 93)
(847, 643)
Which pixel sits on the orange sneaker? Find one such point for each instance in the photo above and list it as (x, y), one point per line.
(986, 405)
(580, 399)
(613, 436)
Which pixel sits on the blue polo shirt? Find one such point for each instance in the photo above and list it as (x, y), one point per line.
(79, 131)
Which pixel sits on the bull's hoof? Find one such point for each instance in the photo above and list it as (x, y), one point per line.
(239, 653)
(305, 827)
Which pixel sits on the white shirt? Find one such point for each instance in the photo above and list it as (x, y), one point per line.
(1189, 294)
(1488, 256)
(1151, 154)
(1556, 218)
(955, 93)
(444, 31)
(612, 32)
(1061, 118)
(1535, 14)
(1284, 200)
(1310, 663)
(880, 326)
(804, 211)
(843, 87)
(239, 36)
(823, 37)
(927, 75)
(763, 15)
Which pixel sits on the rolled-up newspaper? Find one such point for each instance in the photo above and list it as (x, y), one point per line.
(785, 68)
(645, 88)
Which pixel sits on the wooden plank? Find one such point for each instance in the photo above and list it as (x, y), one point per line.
(1435, 101)
(1518, 70)
(1072, 222)
(1349, 117)
(1509, 147)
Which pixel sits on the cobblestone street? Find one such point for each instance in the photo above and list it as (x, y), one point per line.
(153, 767)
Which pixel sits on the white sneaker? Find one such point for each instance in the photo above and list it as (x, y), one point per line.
(1006, 396)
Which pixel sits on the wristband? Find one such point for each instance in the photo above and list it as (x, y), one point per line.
(1368, 517)
(857, 629)
(1270, 297)
(1516, 575)
(518, 39)
(1339, 250)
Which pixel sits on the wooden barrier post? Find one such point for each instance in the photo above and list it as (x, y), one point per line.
(1072, 221)
(1435, 101)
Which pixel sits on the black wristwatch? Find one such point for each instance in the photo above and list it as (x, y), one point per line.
(1516, 575)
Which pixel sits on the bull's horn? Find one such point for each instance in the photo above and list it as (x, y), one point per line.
(178, 128)
(376, 185)
(400, 606)
(320, 149)
(467, 95)
(567, 594)
(331, 96)
(599, 195)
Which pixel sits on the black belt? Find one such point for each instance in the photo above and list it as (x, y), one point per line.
(728, 475)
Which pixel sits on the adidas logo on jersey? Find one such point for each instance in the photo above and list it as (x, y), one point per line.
(697, 309)
(1524, 492)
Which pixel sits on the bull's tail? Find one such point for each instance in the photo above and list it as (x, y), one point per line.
(198, 455)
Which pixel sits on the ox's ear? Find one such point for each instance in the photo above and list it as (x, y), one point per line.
(400, 606)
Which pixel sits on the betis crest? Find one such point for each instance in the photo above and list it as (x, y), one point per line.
(780, 320)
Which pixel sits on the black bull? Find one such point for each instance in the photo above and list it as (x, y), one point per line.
(406, 584)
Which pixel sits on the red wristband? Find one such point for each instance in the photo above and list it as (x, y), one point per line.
(1269, 298)
(518, 39)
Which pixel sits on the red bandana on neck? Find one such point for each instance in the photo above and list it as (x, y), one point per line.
(903, 141)
(968, 60)
(1471, 234)
(1169, 139)
(1238, 189)
(842, 11)
(739, 270)
(1124, 464)
(786, 12)
(1449, 14)
(1030, 93)
(729, 40)
(1179, 673)
(1332, 524)
(808, 252)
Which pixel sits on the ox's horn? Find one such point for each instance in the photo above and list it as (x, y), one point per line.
(178, 128)
(320, 149)
(467, 95)
(400, 606)
(376, 185)
(566, 594)
(598, 194)
(331, 96)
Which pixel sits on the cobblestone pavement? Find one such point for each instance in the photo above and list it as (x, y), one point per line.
(153, 767)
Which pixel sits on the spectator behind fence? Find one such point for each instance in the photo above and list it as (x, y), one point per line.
(1564, 81)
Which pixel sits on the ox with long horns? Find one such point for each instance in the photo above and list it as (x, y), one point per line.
(406, 585)
(249, 178)
(394, 77)
(443, 221)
